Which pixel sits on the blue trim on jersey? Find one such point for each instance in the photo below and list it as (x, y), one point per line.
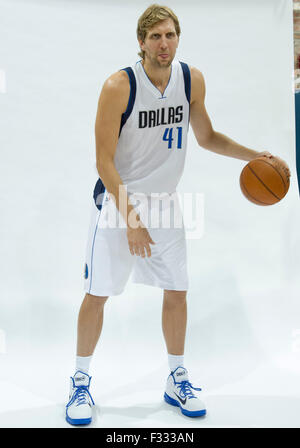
(132, 95)
(187, 83)
(99, 192)
(187, 80)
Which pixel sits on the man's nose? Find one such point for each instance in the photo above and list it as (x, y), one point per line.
(163, 42)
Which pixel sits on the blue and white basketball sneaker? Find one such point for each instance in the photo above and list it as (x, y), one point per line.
(179, 392)
(79, 408)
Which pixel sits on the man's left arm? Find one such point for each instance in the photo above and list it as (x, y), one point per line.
(214, 141)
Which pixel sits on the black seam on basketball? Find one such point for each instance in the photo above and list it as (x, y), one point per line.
(257, 200)
(253, 172)
(287, 179)
(277, 171)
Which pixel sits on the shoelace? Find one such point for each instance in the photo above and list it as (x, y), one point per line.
(80, 395)
(185, 389)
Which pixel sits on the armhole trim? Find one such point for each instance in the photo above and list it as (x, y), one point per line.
(187, 84)
(187, 80)
(132, 96)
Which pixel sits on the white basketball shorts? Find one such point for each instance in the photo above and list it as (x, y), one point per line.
(109, 262)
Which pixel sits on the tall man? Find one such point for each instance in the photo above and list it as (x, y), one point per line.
(141, 135)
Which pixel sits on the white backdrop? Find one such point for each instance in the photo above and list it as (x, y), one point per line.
(243, 337)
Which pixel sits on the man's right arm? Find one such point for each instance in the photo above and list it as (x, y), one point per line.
(112, 104)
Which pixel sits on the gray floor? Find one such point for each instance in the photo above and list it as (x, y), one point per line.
(130, 396)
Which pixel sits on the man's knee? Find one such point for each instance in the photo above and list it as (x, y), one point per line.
(95, 300)
(173, 297)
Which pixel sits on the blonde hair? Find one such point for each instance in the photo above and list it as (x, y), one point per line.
(153, 15)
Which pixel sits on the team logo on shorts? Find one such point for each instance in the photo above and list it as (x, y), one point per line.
(86, 271)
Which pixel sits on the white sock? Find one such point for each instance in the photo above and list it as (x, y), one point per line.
(83, 363)
(175, 361)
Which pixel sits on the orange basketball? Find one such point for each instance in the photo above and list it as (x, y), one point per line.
(263, 181)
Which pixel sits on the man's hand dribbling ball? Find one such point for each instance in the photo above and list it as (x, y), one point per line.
(265, 180)
(281, 163)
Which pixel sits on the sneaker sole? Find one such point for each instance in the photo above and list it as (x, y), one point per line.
(173, 402)
(77, 421)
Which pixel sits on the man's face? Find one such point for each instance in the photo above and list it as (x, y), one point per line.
(161, 43)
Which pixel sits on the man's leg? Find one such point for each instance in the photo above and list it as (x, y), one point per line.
(174, 318)
(179, 391)
(90, 321)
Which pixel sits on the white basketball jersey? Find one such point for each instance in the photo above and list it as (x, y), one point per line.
(151, 150)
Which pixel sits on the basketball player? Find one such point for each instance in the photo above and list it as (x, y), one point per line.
(141, 134)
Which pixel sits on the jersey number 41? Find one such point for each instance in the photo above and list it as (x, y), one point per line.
(168, 137)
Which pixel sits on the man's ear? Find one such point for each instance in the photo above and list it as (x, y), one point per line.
(141, 43)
